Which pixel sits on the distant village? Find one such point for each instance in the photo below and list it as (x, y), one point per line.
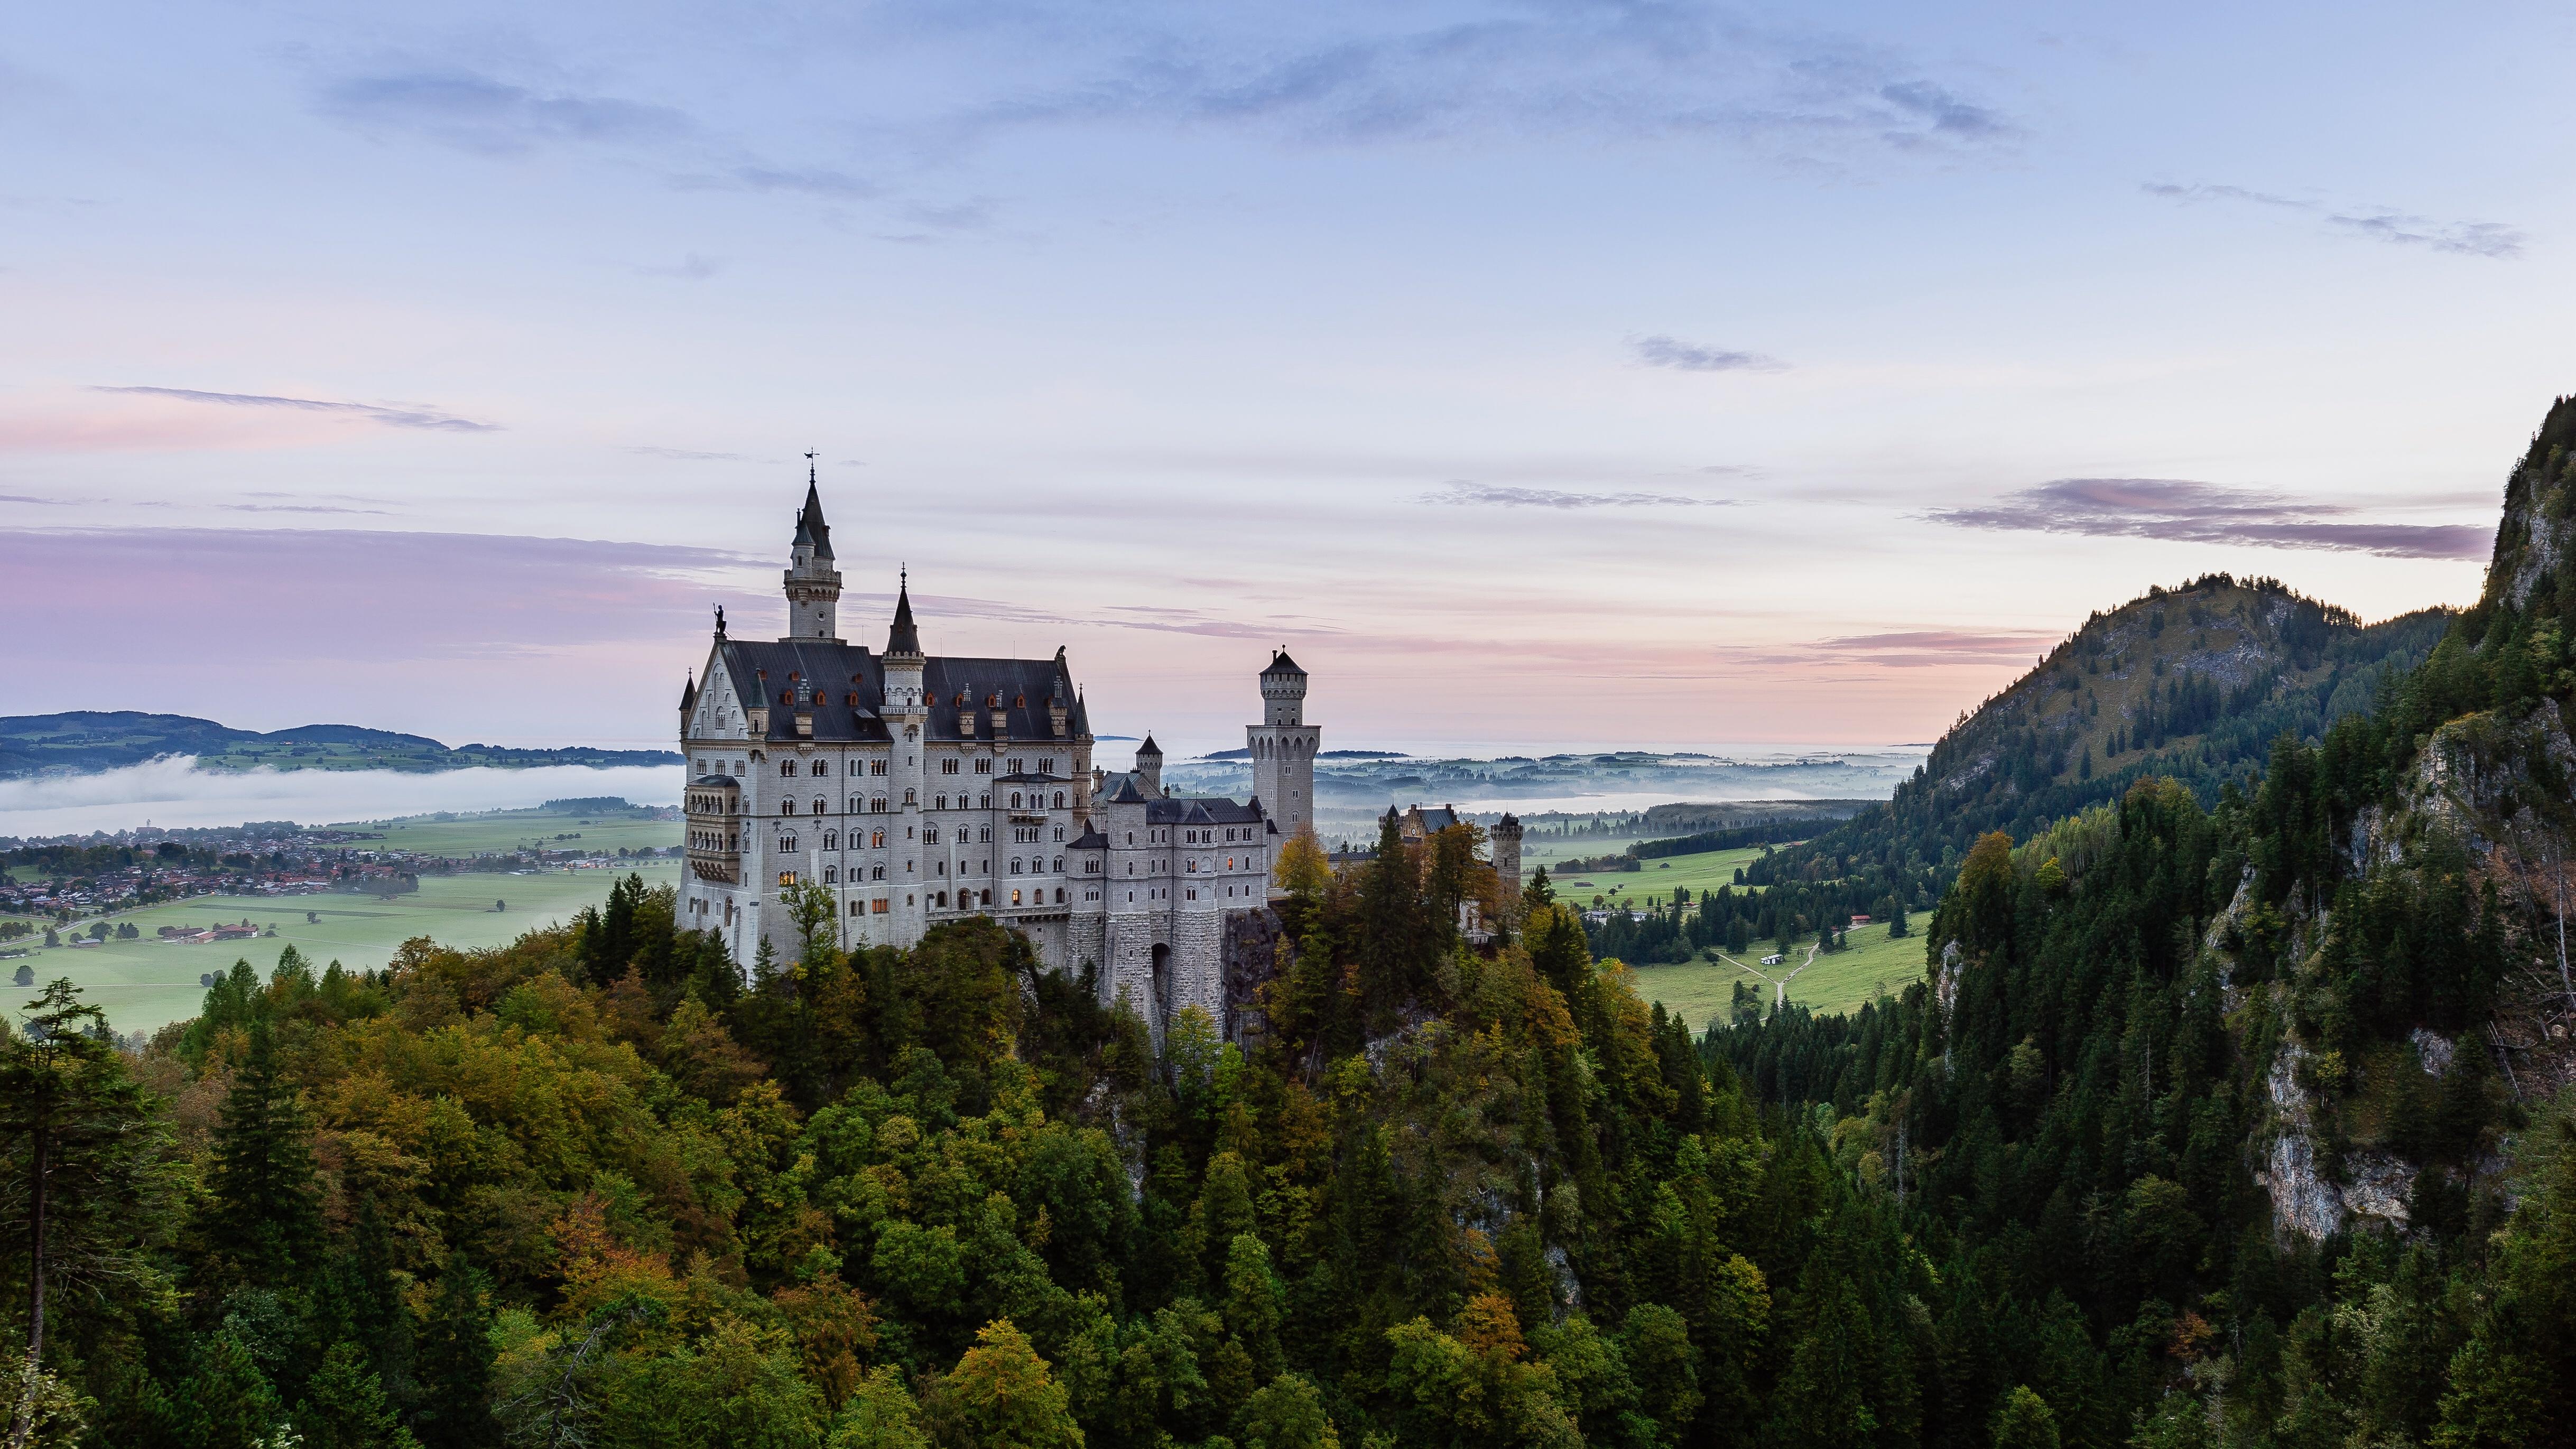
(50, 883)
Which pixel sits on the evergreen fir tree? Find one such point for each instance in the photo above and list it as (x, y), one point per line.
(455, 1410)
(265, 1213)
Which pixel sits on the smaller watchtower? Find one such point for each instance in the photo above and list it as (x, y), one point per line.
(1283, 747)
(1504, 840)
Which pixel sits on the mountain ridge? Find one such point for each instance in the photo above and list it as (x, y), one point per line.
(85, 741)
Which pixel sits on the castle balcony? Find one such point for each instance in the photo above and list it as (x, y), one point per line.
(714, 829)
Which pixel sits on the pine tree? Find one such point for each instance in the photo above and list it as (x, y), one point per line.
(344, 1406)
(86, 1150)
(265, 1212)
(222, 1403)
(456, 1366)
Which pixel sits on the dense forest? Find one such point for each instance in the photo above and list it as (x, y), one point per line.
(2237, 1119)
(2191, 684)
(1659, 928)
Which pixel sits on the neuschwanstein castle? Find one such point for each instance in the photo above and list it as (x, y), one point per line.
(920, 788)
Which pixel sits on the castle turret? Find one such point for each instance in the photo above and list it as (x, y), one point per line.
(813, 585)
(1149, 765)
(905, 708)
(1505, 841)
(903, 658)
(1283, 747)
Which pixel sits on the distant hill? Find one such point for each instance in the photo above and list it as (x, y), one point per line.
(2193, 683)
(90, 740)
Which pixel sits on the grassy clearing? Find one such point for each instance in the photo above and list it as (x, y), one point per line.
(1837, 981)
(1705, 871)
(504, 830)
(147, 983)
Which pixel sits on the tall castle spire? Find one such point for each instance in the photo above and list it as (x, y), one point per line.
(903, 638)
(813, 586)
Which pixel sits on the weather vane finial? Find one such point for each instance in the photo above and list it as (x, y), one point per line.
(809, 466)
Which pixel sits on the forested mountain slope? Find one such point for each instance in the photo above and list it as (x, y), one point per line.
(2273, 1096)
(2193, 684)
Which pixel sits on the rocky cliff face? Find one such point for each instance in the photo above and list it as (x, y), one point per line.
(2459, 795)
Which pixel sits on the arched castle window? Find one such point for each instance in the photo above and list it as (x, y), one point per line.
(877, 840)
(786, 807)
(1059, 895)
(821, 806)
(1059, 865)
(787, 842)
(1015, 865)
(831, 840)
(831, 873)
(822, 767)
(1059, 799)
(908, 797)
(877, 805)
(787, 769)
(1015, 799)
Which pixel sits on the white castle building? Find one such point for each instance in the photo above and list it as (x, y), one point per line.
(918, 788)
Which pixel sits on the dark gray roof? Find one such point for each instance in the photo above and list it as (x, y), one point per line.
(716, 781)
(1200, 810)
(1436, 819)
(851, 682)
(1091, 839)
(903, 638)
(810, 527)
(1149, 748)
(1124, 790)
(1280, 663)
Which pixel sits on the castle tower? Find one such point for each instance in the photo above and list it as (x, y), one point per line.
(813, 585)
(1283, 747)
(906, 711)
(1504, 841)
(1149, 765)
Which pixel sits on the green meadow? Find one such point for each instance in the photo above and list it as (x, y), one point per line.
(1705, 871)
(506, 830)
(1872, 965)
(144, 984)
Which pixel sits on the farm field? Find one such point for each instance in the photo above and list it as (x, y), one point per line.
(503, 830)
(1703, 872)
(1839, 981)
(145, 984)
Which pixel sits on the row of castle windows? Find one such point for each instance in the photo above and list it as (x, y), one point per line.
(877, 805)
(788, 769)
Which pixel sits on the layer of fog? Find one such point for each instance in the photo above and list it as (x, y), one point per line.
(171, 792)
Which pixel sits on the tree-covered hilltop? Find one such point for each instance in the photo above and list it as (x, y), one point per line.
(88, 740)
(593, 1187)
(2192, 684)
(2273, 1097)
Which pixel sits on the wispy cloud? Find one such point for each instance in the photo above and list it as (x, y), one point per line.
(820, 181)
(1672, 352)
(393, 417)
(2468, 238)
(1463, 494)
(2211, 191)
(692, 267)
(2180, 510)
(1924, 648)
(689, 455)
(41, 502)
(2492, 239)
(1393, 74)
(483, 114)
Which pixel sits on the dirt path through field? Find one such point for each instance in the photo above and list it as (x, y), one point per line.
(1779, 984)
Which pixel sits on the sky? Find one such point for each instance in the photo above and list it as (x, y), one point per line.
(1540, 375)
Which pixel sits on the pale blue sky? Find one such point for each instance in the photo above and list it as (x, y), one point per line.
(1560, 374)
